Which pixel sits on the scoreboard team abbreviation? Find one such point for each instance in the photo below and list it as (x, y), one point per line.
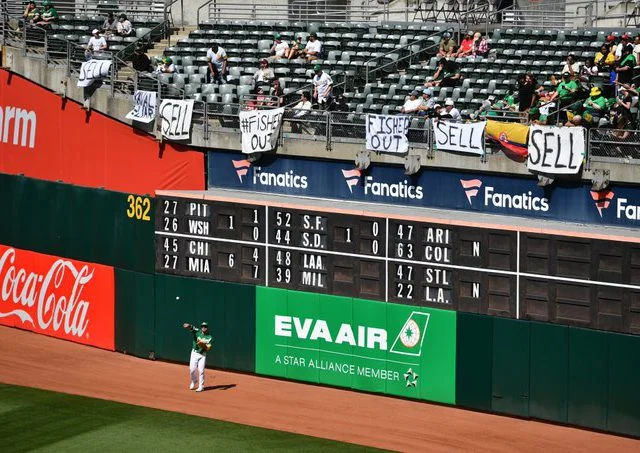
(397, 259)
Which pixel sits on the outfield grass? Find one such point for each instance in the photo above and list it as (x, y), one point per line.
(43, 421)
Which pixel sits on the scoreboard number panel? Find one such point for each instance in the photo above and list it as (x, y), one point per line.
(562, 279)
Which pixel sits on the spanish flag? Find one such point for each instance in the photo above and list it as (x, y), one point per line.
(512, 136)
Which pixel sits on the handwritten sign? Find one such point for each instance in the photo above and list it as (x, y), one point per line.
(463, 138)
(260, 129)
(387, 133)
(176, 118)
(556, 150)
(144, 109)
(93, 70)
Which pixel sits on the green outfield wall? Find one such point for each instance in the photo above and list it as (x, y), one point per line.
(522, 368)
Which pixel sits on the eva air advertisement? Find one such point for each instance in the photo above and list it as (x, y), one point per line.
(360, 344)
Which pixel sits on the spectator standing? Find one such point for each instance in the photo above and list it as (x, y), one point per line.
(466, 46)
(624, 71)
(322, 86)
(96, 43)
(451, 112)
(624, 101)
(566, 92)
(636, 49)
(447, 45)
(264, 74)
(604, 58)
(139, 60)
(110, 25)
(313, 49)
(48, 16)
(217, 61)
(571, 66)
(624, 41)
(124, 27)
(527, 89)
(412, 105)
(279, 48)
(480, 45)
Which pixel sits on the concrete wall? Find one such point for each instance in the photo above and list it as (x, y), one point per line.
(118, 106)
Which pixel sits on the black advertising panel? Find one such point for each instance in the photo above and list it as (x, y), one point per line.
(562, 279)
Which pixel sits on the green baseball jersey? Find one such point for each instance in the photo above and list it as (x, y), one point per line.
(198, 335)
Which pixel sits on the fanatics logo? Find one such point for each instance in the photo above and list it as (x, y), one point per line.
(602, 199)
(471, 188)
(351, 177)
(242, 167)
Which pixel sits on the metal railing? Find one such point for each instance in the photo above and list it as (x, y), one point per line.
(614, 146)
(137, 8)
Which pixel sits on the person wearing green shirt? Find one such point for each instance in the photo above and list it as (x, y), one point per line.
(200, 346)
(595, 106)
(565, 93)
(48, 15)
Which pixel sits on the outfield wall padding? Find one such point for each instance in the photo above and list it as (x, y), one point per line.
(76, 222)
(135, 313)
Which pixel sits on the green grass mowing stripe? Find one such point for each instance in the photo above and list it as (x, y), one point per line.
(44, 421)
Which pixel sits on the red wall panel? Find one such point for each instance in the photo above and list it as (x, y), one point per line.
(92, 150)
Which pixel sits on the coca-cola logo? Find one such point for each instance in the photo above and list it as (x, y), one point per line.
(54, 298)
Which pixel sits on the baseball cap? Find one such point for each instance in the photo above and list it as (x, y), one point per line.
(276, 36)
(428, 91)
(204, 324)
(94, 31)
(413, 93)
(313, 35)
(595, 91)
(469, 33)
(491, 98)
(610, 38)
(448, 102)
(317, 67)
(446, 35)
(626, 36)
(565, 74)
(437, 106)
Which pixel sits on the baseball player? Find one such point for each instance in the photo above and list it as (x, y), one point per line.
(201, 344)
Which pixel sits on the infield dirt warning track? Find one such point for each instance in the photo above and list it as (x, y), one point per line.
(38, 361)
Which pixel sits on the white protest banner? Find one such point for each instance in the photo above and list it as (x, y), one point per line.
(176, 118)
(460, 137)
(144, 109)
(93, 70)
(387, 133)
(556, 150)
(260, 129)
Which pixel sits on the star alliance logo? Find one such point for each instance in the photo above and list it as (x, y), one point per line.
(242, 167)
(471, 188)
(411, 378)
(602, 199)
(351, 177)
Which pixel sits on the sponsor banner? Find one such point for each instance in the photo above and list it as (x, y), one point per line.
(365, 345)
(460, 137)
(388, 133)
(556, 150)
(42, 138)
(93, 70)
(260, 129)
(432, 188)
(58, 297)
(176, 118)
(144, 108)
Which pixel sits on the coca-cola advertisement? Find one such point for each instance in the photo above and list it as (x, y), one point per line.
(55, 296)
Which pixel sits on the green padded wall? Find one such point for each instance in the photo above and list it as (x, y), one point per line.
(135, 313)
(474, 361)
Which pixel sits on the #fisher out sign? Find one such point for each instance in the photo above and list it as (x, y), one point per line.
(260, 129)
(462, 138)
(556, 150)
(144, 109)
(176, 118)
(387, 133)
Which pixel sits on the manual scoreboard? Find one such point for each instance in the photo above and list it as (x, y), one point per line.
(398, 259)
